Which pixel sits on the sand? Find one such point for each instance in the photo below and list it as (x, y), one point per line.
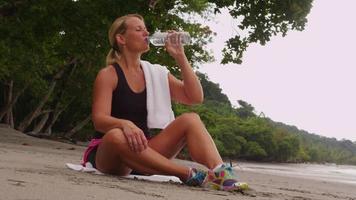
(34, 169)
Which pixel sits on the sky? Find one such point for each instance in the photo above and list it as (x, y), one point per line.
(306, 79)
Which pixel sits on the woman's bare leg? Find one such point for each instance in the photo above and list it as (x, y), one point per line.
(115, 156)
(188, 130)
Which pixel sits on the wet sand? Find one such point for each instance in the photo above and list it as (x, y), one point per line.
(34, 169)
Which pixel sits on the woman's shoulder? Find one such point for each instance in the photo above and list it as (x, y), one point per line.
(108, 75)
(108, 71)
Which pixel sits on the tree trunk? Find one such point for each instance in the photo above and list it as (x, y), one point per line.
(12, 123)
(79, 126)
(56, 113)
(58, 110)
(8, 100)
(8, 97)
(10, 104)
(41, 124)
(36, 112)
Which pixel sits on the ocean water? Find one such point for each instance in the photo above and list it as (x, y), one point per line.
(325, 172)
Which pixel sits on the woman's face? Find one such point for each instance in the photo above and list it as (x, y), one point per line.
(136, 36)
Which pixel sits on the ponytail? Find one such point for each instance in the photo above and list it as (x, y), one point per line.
(112, 57)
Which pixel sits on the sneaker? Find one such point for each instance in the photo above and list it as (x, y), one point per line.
(197, 177)
(224, 178)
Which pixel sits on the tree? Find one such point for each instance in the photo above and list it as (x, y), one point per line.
(254, 151)
(260, 20)
(41, 37)
(287, 149)
(245, 110)
(212, 91)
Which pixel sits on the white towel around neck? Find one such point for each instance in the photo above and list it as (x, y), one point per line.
(159, 107)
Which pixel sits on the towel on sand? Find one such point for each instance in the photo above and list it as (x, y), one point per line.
(156, 178)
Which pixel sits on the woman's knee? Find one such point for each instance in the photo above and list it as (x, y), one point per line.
(188, 121)
(114, 136)
(108, 154)
(190, 118)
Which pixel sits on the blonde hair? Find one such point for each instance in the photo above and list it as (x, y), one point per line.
(118, 27)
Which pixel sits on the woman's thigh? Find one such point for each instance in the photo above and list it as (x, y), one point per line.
(107, 156)
(171, 140)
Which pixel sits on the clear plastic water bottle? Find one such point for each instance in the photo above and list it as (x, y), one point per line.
(159, 38)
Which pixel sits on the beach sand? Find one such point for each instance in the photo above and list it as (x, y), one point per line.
(34, 169)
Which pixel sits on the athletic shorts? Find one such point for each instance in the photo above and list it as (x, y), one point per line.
(90, 152)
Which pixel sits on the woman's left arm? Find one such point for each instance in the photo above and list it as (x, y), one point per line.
(189, 91)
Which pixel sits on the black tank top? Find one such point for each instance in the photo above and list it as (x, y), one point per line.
(127, 104)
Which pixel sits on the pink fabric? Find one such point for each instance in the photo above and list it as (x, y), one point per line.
(93, 143)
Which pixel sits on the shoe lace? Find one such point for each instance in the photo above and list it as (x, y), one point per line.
(230, 170)
(197, 178)
(236, 165)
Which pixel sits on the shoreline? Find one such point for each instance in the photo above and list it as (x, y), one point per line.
(33, 168)
(330, 173)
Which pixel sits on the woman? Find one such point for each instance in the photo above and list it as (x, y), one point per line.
(121, 114)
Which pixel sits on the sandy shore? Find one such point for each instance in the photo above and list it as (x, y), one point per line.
(34, 169)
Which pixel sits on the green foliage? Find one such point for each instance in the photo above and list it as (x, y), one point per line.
(302, 156)
(245, 110)
(40, 38)
(212, 91)
(315, 148)
(260, 20)
(232, 143)
(240, 134)
(254, 151)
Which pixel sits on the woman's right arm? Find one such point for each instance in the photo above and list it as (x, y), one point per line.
(104, 85)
